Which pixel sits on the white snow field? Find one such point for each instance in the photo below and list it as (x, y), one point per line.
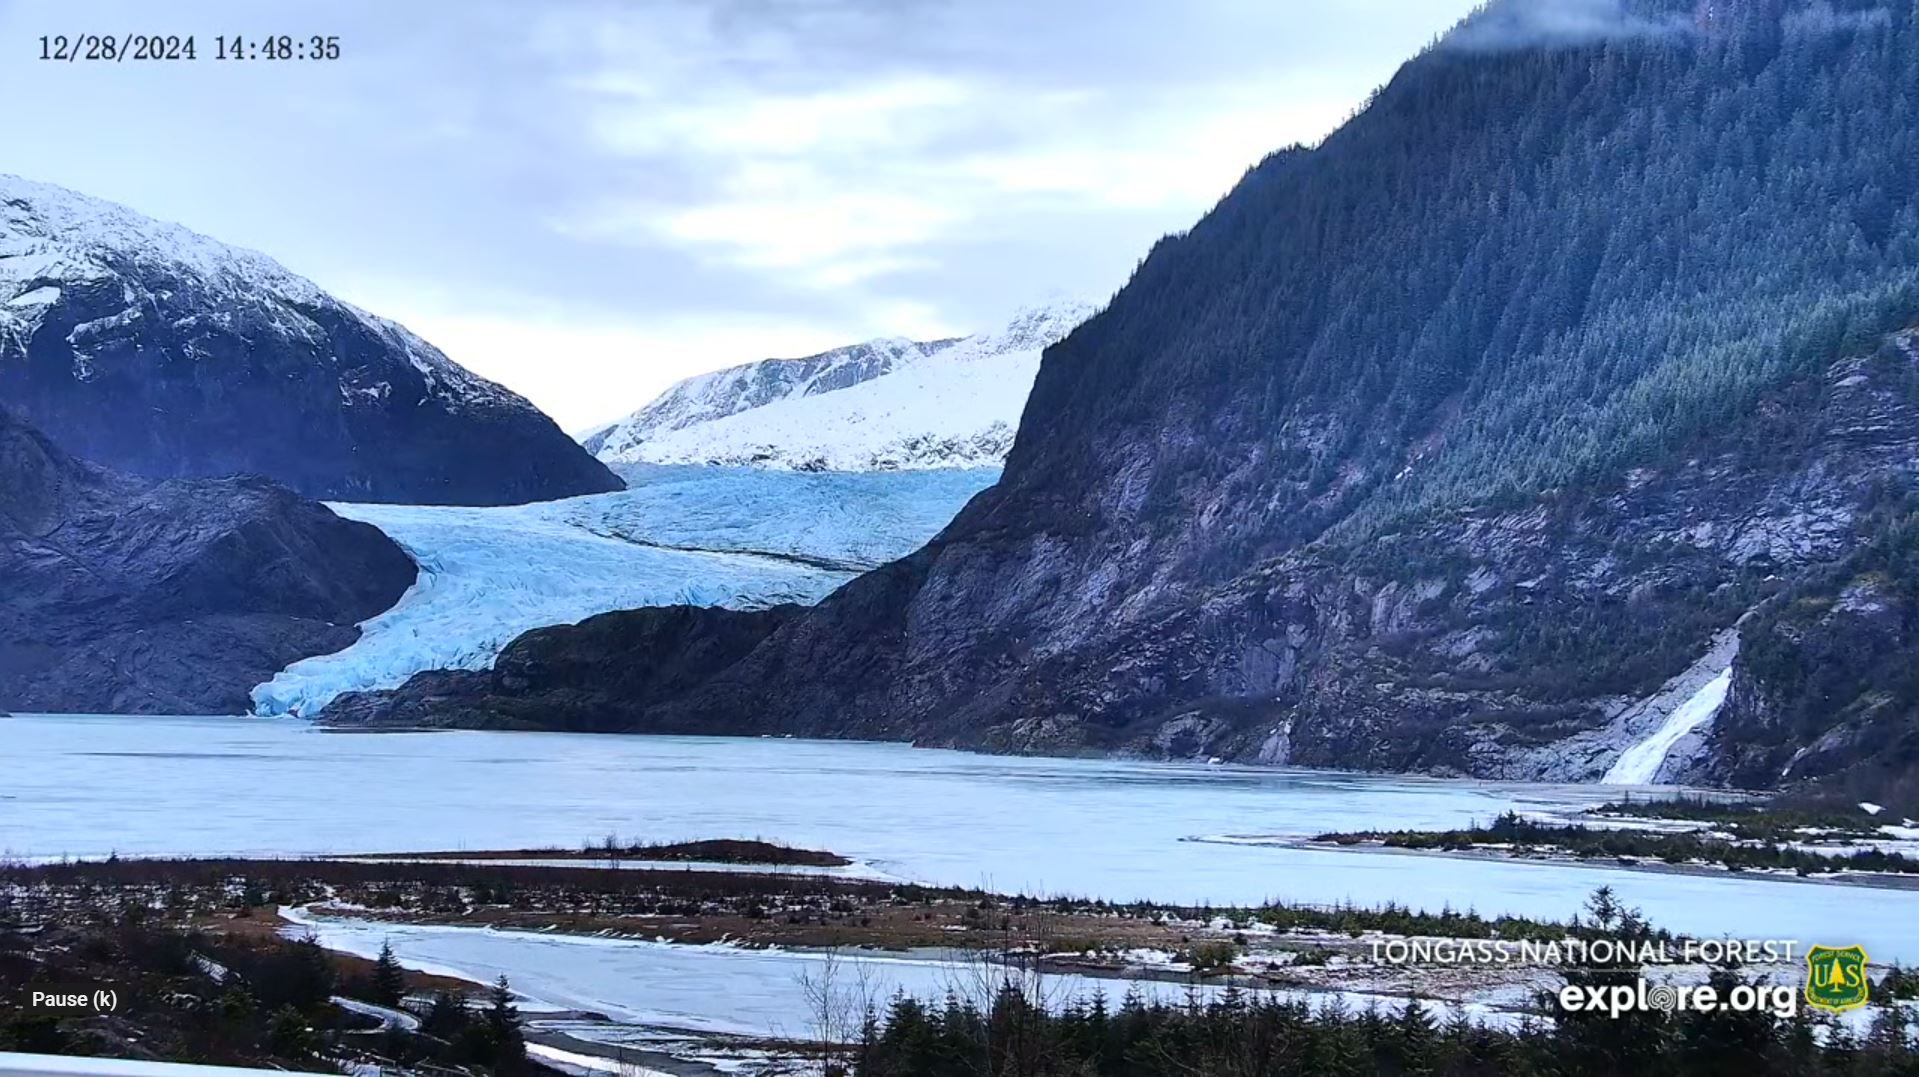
(886, 405)
(739, 538)
(1639, 765)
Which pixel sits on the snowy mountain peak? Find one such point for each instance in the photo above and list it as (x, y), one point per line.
(881, 405)
(52, 237)
(708, 397)
(102, 309)
(1035, 328)
(49, 234)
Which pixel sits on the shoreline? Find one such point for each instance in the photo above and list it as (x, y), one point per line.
(1904, 882)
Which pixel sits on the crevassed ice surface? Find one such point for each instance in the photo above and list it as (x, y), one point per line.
(1116, 829)
(735, 537)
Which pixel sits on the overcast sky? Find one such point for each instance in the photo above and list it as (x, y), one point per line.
(589, 201)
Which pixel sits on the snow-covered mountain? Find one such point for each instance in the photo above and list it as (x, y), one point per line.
(880, 406)
(154, 349)
(707, 397)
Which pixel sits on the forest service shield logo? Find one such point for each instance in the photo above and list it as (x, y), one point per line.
(1836, 978)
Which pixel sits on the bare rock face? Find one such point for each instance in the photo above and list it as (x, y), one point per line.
(128, 595)
(602, 675)
(156, 351)
(1829, 693)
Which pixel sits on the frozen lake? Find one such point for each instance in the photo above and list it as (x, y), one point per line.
(712, 989)
(1122, 830)
(726, 989)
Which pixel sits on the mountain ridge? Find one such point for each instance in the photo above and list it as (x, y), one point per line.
(880, 405)
(153, 349)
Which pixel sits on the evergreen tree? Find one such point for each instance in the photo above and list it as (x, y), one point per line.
(389, 979)
(504, 1035)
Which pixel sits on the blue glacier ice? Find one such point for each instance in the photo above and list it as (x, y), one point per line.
(742, 538)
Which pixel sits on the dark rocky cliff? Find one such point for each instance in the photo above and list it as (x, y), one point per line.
(603, 675)
(150, 349)
(1445, 444)
(127, 595)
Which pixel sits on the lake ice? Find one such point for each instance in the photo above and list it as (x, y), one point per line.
(1123, 830)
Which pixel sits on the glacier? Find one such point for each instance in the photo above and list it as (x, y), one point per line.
(740, 538)
(706, 397)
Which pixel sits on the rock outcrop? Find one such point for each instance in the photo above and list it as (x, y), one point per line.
(602, 675)
(127, 595)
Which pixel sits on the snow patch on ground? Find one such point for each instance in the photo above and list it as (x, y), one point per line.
(573, 1062)
(388, 1018)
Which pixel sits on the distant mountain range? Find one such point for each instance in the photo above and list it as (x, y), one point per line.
(881, 405)
(157, 351)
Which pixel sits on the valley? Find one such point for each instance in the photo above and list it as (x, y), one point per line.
(1480, 528)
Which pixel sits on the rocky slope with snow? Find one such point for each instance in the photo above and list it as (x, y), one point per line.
(883, 405)
(126, 595)
(151, 349)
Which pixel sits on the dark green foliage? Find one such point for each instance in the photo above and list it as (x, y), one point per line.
(1899, 983)
(1254, 1034)
(298, 975)
(503, 1029)
(290, 1036)
(389, 980)
(1239, 1033)
(1766, 821)
(1840, 650)
(269, 1006)
(1400, 920)
(1520, 269)
(1523, 834)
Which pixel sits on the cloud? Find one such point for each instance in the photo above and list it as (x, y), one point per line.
(889, 114)
(590, 198)
(1518, 24)
(840, 187)
(1821, 18)
(597, 371)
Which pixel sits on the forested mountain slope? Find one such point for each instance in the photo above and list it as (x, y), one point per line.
(1438, 445)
